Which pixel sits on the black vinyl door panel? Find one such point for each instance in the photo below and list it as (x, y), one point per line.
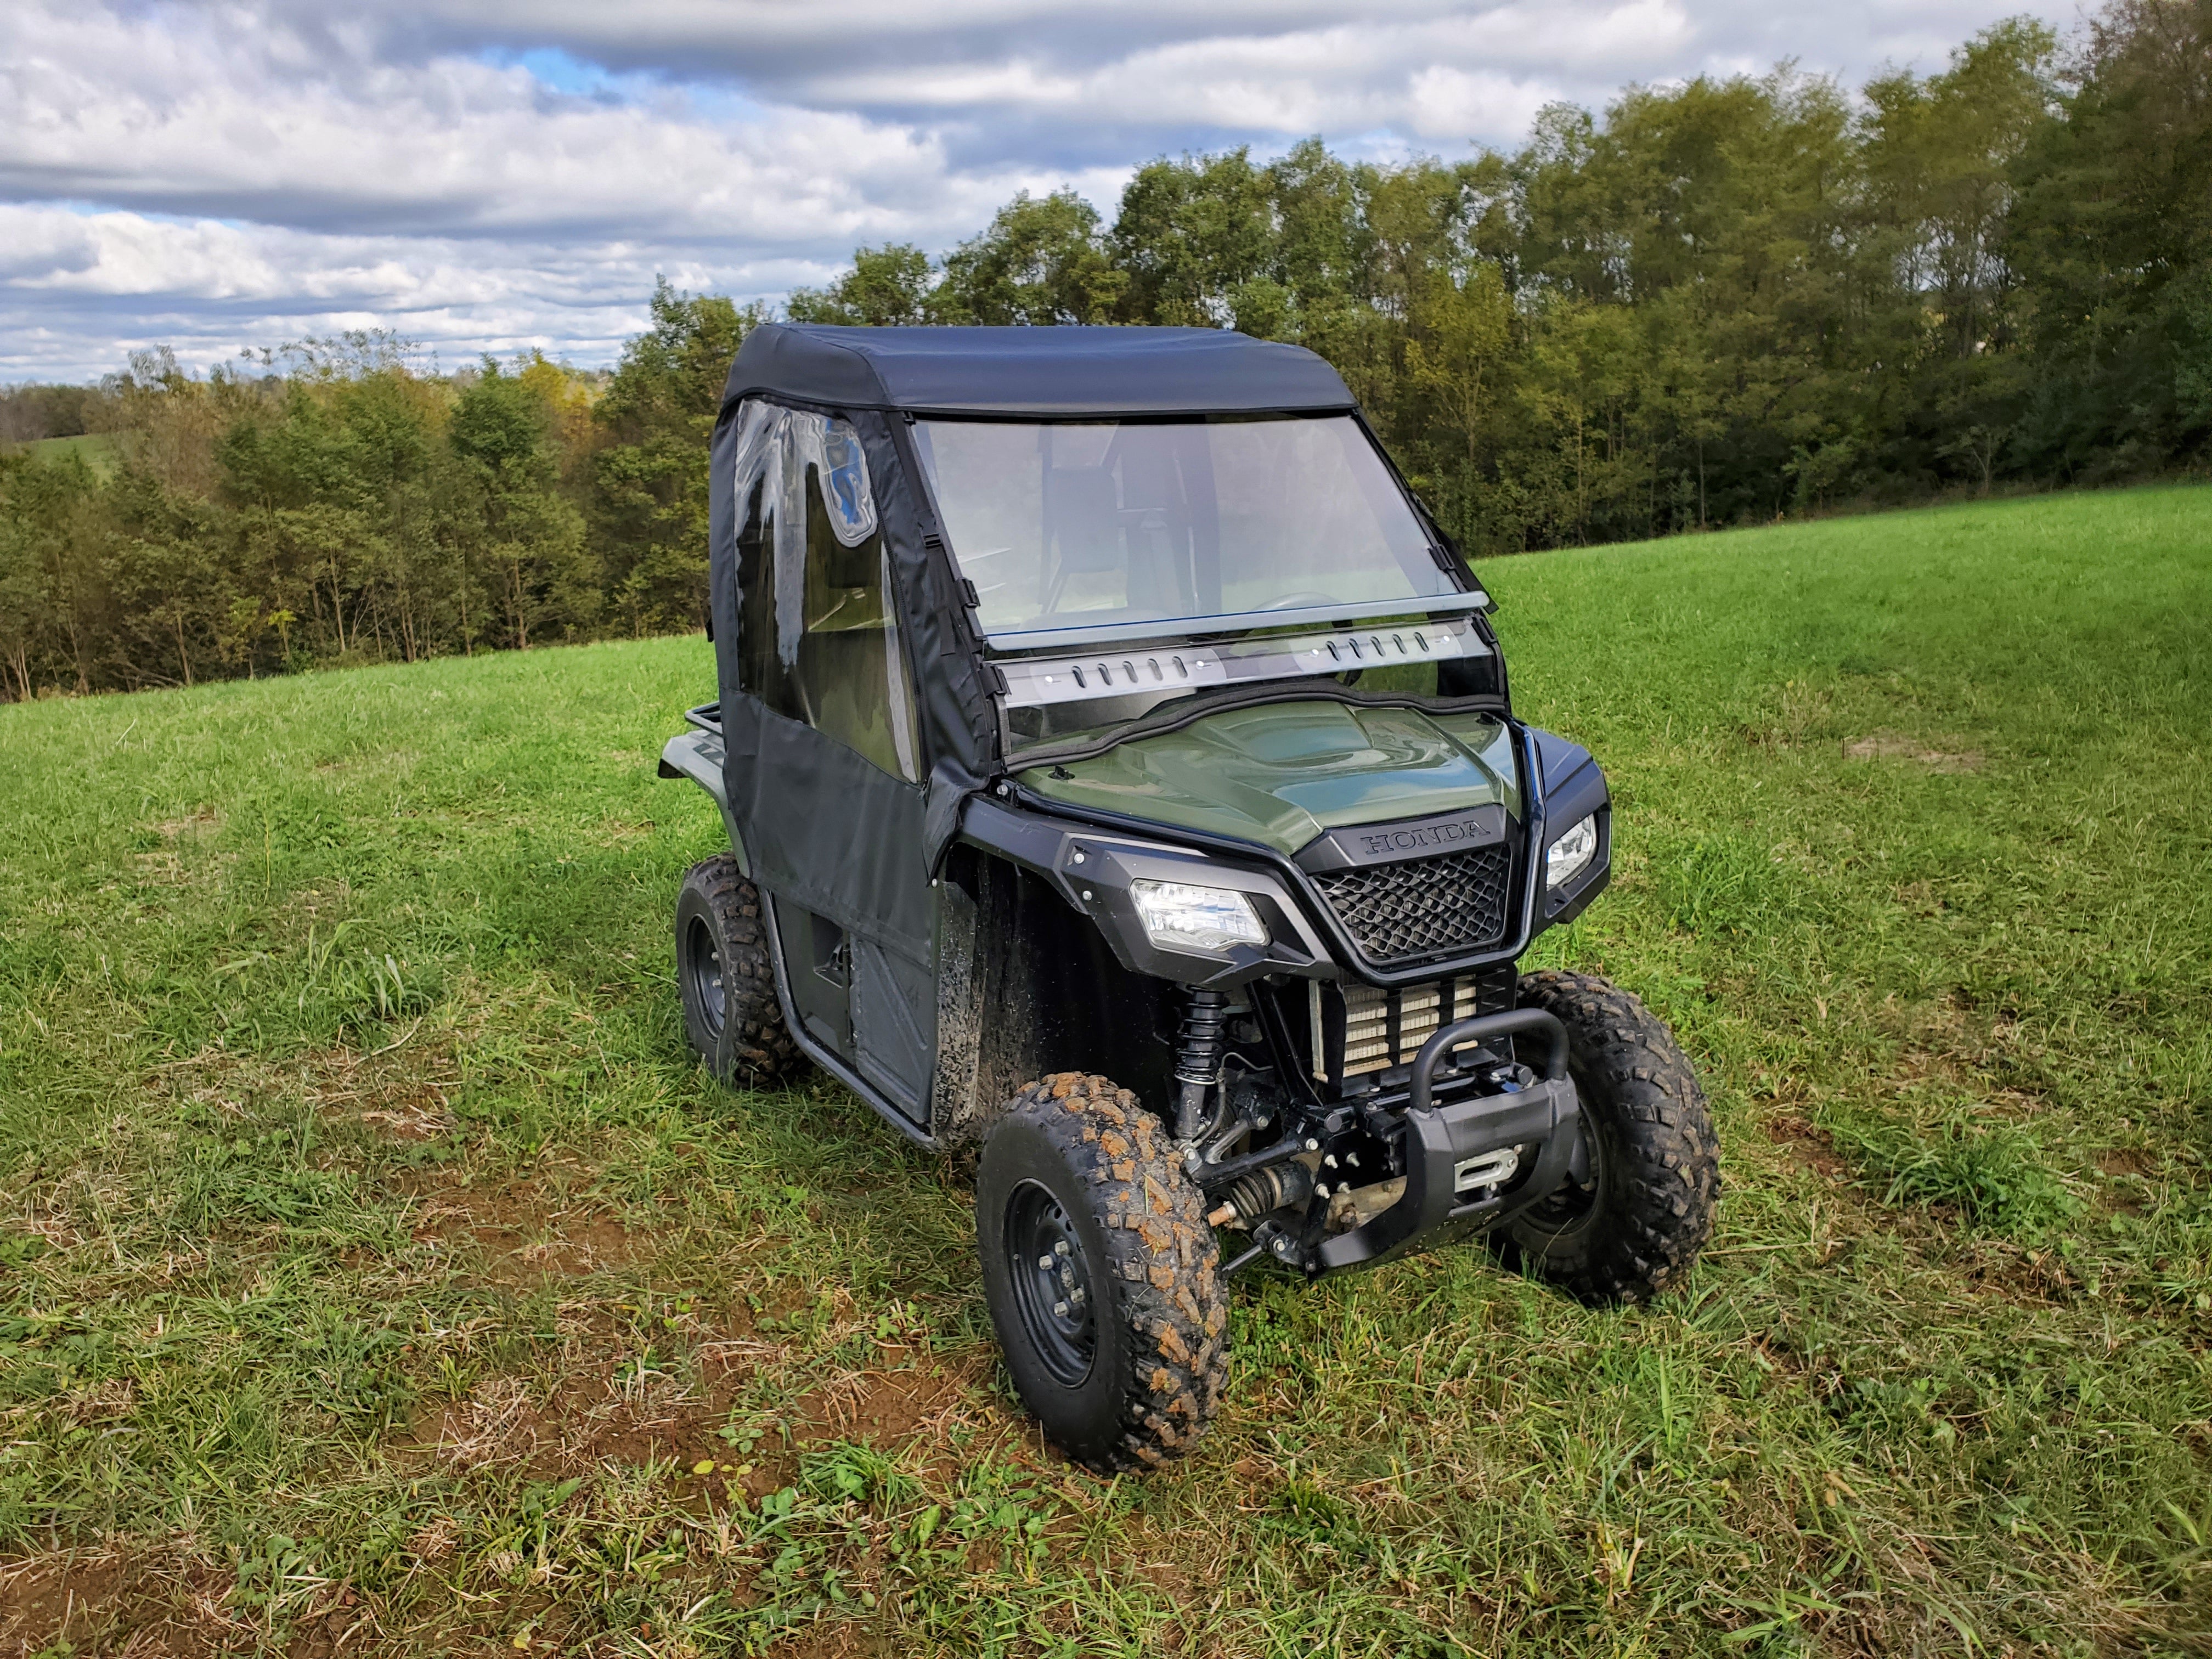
(838, 841)
(824, 761)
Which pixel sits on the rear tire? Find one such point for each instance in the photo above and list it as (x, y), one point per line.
(1101, 1274)
(1635, 1227)
(731, 1018)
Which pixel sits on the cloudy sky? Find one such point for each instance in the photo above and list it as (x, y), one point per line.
(492, 174)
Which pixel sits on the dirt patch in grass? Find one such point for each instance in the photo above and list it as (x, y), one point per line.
(1809, 1148)
(562, 1246)
(842, 1640)
(206, 821)
(1889, 745)
(2028, 1278)
(183, 852)
(2123, 1161)
(584, 1422)
(398, 1090)
(885, 1408)
(54, 1598)
(1932, 1066)
(581, 1245)
(615, 1414)
(497, 1422)
(154, 1608)
(527, 1235)
(98, 1404)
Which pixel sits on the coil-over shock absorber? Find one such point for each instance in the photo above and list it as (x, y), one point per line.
(1198, 1060)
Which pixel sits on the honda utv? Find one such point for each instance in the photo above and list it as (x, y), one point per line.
(1121, 786)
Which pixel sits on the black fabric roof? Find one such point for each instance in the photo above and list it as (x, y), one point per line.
(1034, 371)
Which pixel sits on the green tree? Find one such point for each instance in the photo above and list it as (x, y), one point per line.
(1196, 241)
(520, 537)
(53, 581)
(1041, 261)
(1939, 154)
(1460, 357)
(2111, 237)
(648, 494)
(888, 287)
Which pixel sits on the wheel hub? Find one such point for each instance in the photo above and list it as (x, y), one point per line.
(1052, 1282)
(702, 961)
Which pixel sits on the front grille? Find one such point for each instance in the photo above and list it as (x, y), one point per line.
(1382, 1029)
(1423, 907)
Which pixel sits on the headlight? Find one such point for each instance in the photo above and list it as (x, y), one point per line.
(1570, 856)
(1177, 917)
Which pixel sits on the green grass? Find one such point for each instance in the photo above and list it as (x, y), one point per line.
(375, 1270)
(100, 451)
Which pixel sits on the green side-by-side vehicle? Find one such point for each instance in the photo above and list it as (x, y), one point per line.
(1122, 782)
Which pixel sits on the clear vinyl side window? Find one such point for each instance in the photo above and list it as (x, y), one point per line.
(819, 638)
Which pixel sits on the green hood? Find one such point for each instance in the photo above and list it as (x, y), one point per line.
(1284, 773)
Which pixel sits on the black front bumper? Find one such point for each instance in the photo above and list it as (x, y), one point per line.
(1439, 1139)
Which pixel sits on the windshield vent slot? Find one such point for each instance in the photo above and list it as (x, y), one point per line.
(1035, 681)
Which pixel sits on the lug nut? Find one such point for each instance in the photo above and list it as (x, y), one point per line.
(1061, 1248)
(1313, 1146)
(1320, 1190)
(1060, 1308)
(1353, 1158)
(1330, 1160)
(1045, 1262)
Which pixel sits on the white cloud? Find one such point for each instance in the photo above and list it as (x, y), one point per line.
(101, 285)
(236, 122)
(489, 174)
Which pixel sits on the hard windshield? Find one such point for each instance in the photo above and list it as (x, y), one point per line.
(1065, 524)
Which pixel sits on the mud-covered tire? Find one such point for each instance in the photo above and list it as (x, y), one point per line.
(731, 1015)
(1635, 1229)
(1080, 1150)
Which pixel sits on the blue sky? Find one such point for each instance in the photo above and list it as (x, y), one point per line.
(493, 175)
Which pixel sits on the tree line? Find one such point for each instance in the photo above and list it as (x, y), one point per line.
(332, 503)
(1715, 303)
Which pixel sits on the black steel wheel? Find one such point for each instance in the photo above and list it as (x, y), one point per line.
(1101, 1274)
(1051, 1275)
(731, 1014)
(699, 960)
(1633, 1225)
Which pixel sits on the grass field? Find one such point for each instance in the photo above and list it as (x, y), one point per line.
(378, 1275)
(98, 450)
